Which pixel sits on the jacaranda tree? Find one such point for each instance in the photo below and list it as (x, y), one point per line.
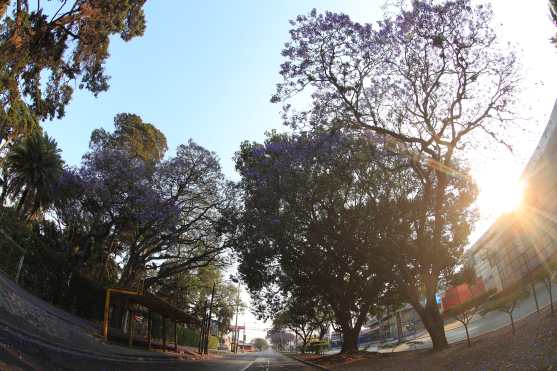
(159, 218)
(317, 210)
(432, 80)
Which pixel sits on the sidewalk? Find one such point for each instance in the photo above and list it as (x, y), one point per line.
(455, 331)
(482, 325)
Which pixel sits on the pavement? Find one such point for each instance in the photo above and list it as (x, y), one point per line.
(480, 325)
(490, 322)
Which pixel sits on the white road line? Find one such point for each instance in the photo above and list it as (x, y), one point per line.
(248, 366)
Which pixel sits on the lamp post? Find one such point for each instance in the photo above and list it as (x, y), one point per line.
(236, 332)
(208, 332)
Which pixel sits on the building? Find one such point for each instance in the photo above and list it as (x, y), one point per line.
(519, 243)
(400, 324)
(460, 294)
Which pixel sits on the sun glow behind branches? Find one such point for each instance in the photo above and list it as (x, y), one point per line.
(501, 190)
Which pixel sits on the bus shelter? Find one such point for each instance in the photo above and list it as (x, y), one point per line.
(141, 305)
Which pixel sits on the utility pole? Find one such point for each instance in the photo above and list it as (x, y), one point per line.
(244, 337)
(236, 332)
(208, 332)
(200, 345)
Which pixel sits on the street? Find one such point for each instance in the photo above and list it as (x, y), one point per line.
(270, 360)
(35, 358)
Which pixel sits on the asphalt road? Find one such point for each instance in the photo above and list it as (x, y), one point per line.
(32, 358)
(270, 360)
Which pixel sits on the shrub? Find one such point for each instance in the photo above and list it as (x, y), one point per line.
(318, 346)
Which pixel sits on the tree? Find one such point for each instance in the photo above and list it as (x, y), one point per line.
(108, 207)
(298, 316)
(464, 312)
(317, 209)
(553, 12)
(431, 80)
(204, 203)
(32, 168)
(260, 344)
(159, 219)
(45, 50)
(280, 338)
(190, 290)
(466, 275)
(544, 274)
(141, 139)
(507, 301)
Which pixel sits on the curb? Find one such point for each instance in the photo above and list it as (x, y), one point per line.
(308, 362)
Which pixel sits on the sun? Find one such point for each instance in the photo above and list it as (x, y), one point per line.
(500, 192)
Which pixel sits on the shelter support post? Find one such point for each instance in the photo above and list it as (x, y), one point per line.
(130, 327)
(175, 336)
(149, 330)
(19, 266)
(164, 334)
(106, 313)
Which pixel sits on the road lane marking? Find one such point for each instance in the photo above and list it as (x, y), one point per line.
(248, 366)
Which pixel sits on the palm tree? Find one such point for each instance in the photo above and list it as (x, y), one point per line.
(33, 165)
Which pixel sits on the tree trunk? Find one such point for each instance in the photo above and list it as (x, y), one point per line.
(350, 340)
(133, 273)
(467, 334)
(322, 332)
(548, 285)
(433, 322)
(533, 286)
(512, 321)
(21, 202)
(304, 344)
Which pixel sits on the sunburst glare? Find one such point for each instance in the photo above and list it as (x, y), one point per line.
(500, 191)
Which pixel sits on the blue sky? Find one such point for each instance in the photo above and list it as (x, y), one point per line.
(203, 70)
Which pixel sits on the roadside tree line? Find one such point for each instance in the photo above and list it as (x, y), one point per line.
(129, 214)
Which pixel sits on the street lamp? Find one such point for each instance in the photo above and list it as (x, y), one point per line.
(236, 332)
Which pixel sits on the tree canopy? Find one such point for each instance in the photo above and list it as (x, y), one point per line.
(160, 217)
(430, 80)
(140, 139)
(46, 47)
(318, 208)
(260, 344)
(32, 167)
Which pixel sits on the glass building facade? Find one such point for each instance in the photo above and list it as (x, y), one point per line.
(519, 243)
